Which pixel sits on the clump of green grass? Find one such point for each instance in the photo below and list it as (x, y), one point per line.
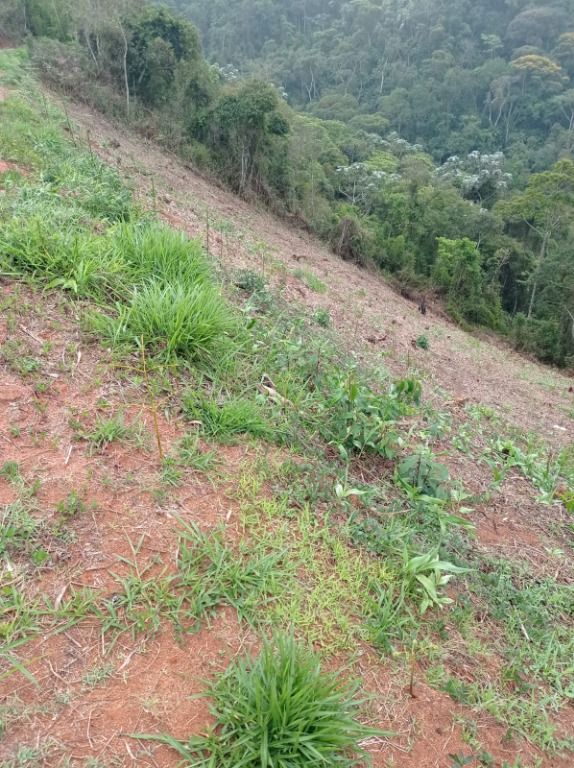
(209, 574)
(311, 281)
(172, 320)
(11, 472)
(171, 474)
(153, 251)
(108, 430)
(19, 531)
(227, 419)
(191, 455)
(422, 342)
(212, 574)
(279, 711)
(74, 226)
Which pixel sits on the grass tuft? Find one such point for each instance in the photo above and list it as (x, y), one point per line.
(172, 320)
(226, 420)
(279, 711)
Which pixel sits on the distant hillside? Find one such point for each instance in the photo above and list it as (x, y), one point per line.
(456, 76)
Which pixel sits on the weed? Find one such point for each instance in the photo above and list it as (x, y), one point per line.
(98, 674)
(543, 468)
(29, 757)
(14, 355)
(71, 506)
(422, 342)
(425, 475)
(41, 387)
(278, 710)
(250, 282)
(209, 574)
(322, 317)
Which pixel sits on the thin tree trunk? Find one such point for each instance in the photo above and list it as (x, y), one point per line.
(91, 50)
(125, 66)
(537, 272)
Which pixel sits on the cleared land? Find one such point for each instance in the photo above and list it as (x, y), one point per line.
(163, 508)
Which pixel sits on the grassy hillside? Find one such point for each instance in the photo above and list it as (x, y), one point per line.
(191, 462)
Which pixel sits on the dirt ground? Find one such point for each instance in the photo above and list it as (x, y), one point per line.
(89, 697)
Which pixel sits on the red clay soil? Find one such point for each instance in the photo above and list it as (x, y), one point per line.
(92, 697)
(144, 687)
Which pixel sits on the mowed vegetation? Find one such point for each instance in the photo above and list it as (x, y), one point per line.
(340, 540)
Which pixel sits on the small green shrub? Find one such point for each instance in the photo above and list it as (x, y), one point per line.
(322, 317)
(279, 711)
(71, 506)
(359, 420)
(427, 476)
(422, 342)
(250, 282)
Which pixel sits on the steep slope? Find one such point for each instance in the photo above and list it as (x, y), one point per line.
(374, 322)
(166, 503)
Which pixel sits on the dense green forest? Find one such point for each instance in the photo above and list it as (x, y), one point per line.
(454, 75)
(433, 139)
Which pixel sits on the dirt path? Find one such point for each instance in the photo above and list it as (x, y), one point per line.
(374, 321)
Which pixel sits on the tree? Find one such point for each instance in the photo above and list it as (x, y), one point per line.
(158, 42)
(536, 26)
(536, 66)
(242, 126)
(545, 207)
(13, 20)
(564, 52)
(458, 274)
(564, 103)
